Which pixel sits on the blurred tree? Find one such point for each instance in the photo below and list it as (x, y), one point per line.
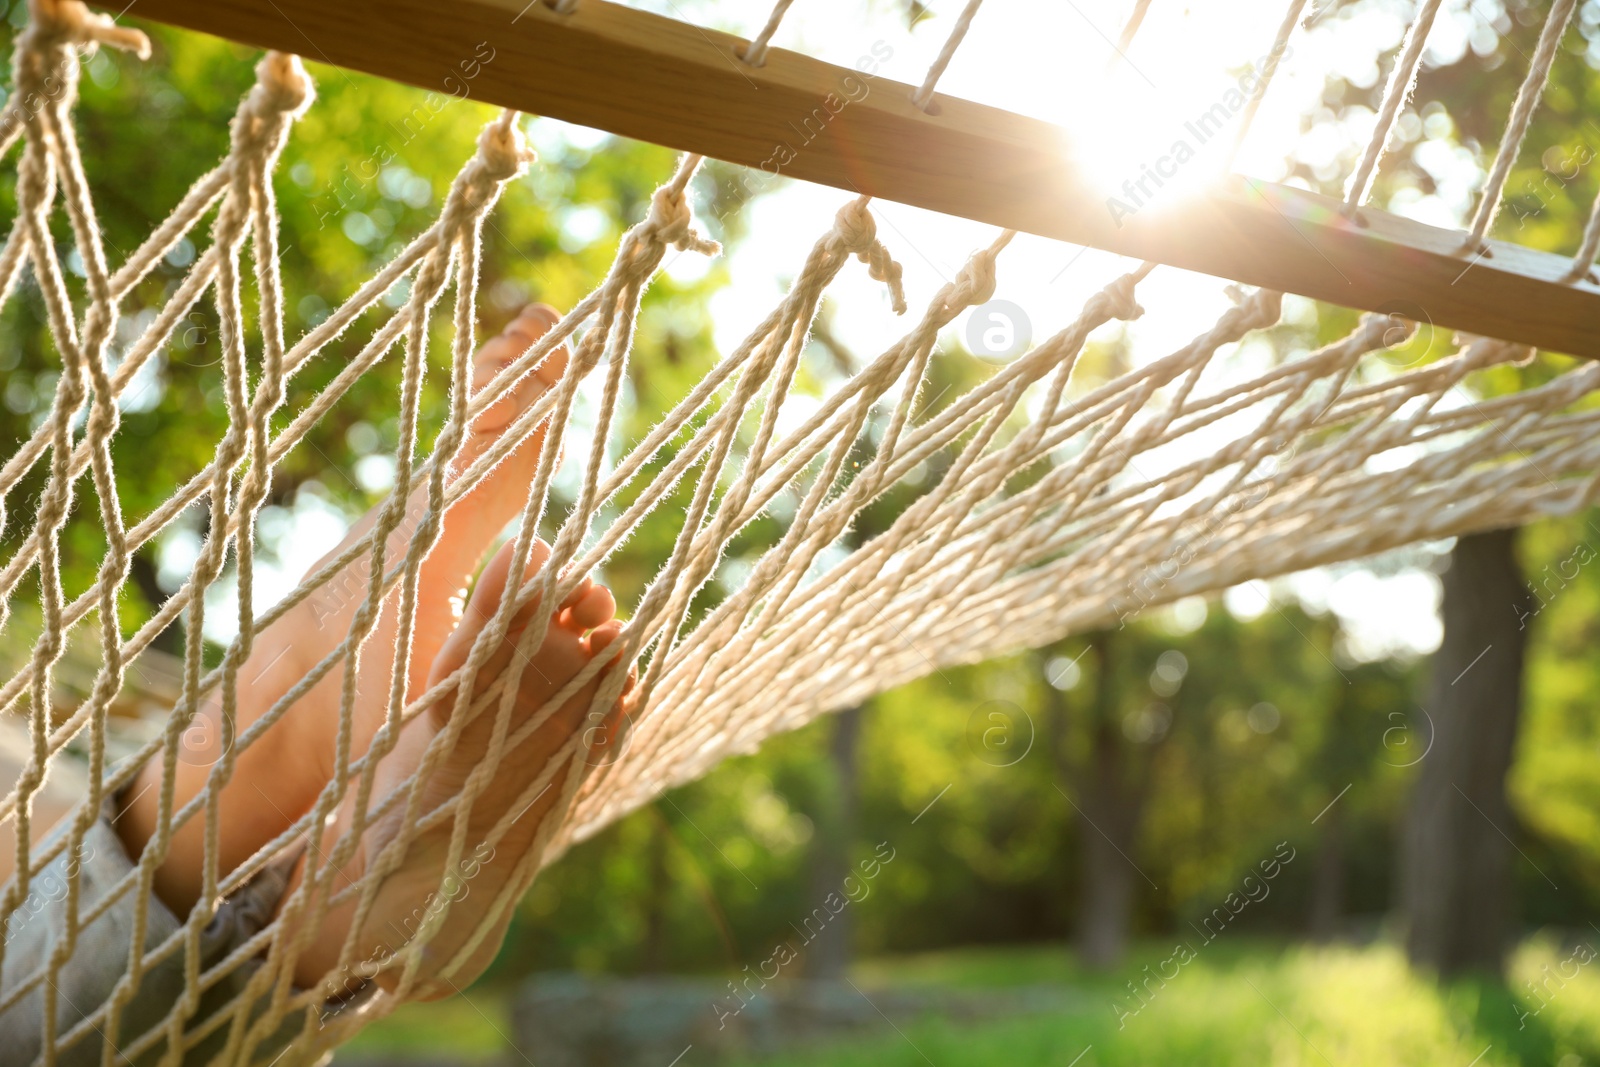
(1113, 781)
(1366, 707)
(1555, 783)
(365, 169)
(1456, 887)
(1456, 848)
(658, 893)
(829, 954)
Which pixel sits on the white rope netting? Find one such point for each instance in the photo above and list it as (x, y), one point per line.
(1060, 504)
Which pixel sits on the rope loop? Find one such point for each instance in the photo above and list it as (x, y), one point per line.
(503, 150)
(855, 232)
(61, 22)
(670, 223)
(282, 86)
(1261, 309)
(282, 93)
(975, 282)
(503, 154)
(1118, 298)
(1377, 331)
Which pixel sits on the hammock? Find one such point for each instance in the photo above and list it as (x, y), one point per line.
(1059, 509)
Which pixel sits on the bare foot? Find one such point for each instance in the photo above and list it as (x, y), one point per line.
(407, 897)
(278, 778)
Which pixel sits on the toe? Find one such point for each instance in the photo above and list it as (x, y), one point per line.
(603, 637)
(535, 321)
(604, 634)
(539, 317)
(504, 349)
(580, 592)
(592, 608)
(497, 353)
(576, 597)
(525, 329)
(491, 586)
(482, 605)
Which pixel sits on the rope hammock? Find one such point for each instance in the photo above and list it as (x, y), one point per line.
(1058, 509)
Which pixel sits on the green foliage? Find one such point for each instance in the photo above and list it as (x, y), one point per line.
(365, 170)
(469, 1029)
(1554, 783)
(1259, 1003)
(1246, 1002)
(717, 873)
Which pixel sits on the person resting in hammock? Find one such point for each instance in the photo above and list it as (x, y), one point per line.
(278, 778)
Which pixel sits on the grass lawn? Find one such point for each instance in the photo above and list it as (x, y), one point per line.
(465, 1029)
(1244, 1003)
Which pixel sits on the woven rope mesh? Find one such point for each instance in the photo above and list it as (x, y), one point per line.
(1062, 502)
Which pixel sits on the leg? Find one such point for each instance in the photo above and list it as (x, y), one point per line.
(278, 779)
(583, 628)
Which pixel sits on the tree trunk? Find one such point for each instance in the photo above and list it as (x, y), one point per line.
(829, 953)
(1456, 861)
(658, 894)
(1327, 884)
(1111, 808)
(1110, 804)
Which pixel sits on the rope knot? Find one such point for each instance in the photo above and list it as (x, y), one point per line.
(282, 86)
(856, 233)
(282, 93)
(503, 149)
(1265, 308)
(974, 283)
(1120, 303)
(503, 154)
(670, 223)
(855, 228)
(71, 21)
(1381, 332)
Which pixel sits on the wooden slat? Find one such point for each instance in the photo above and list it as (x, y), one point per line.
(660, 80)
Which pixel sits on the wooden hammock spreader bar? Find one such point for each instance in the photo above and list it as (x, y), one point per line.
(657, 79)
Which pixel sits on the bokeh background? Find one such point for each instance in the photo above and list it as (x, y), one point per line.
(1194, 839)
